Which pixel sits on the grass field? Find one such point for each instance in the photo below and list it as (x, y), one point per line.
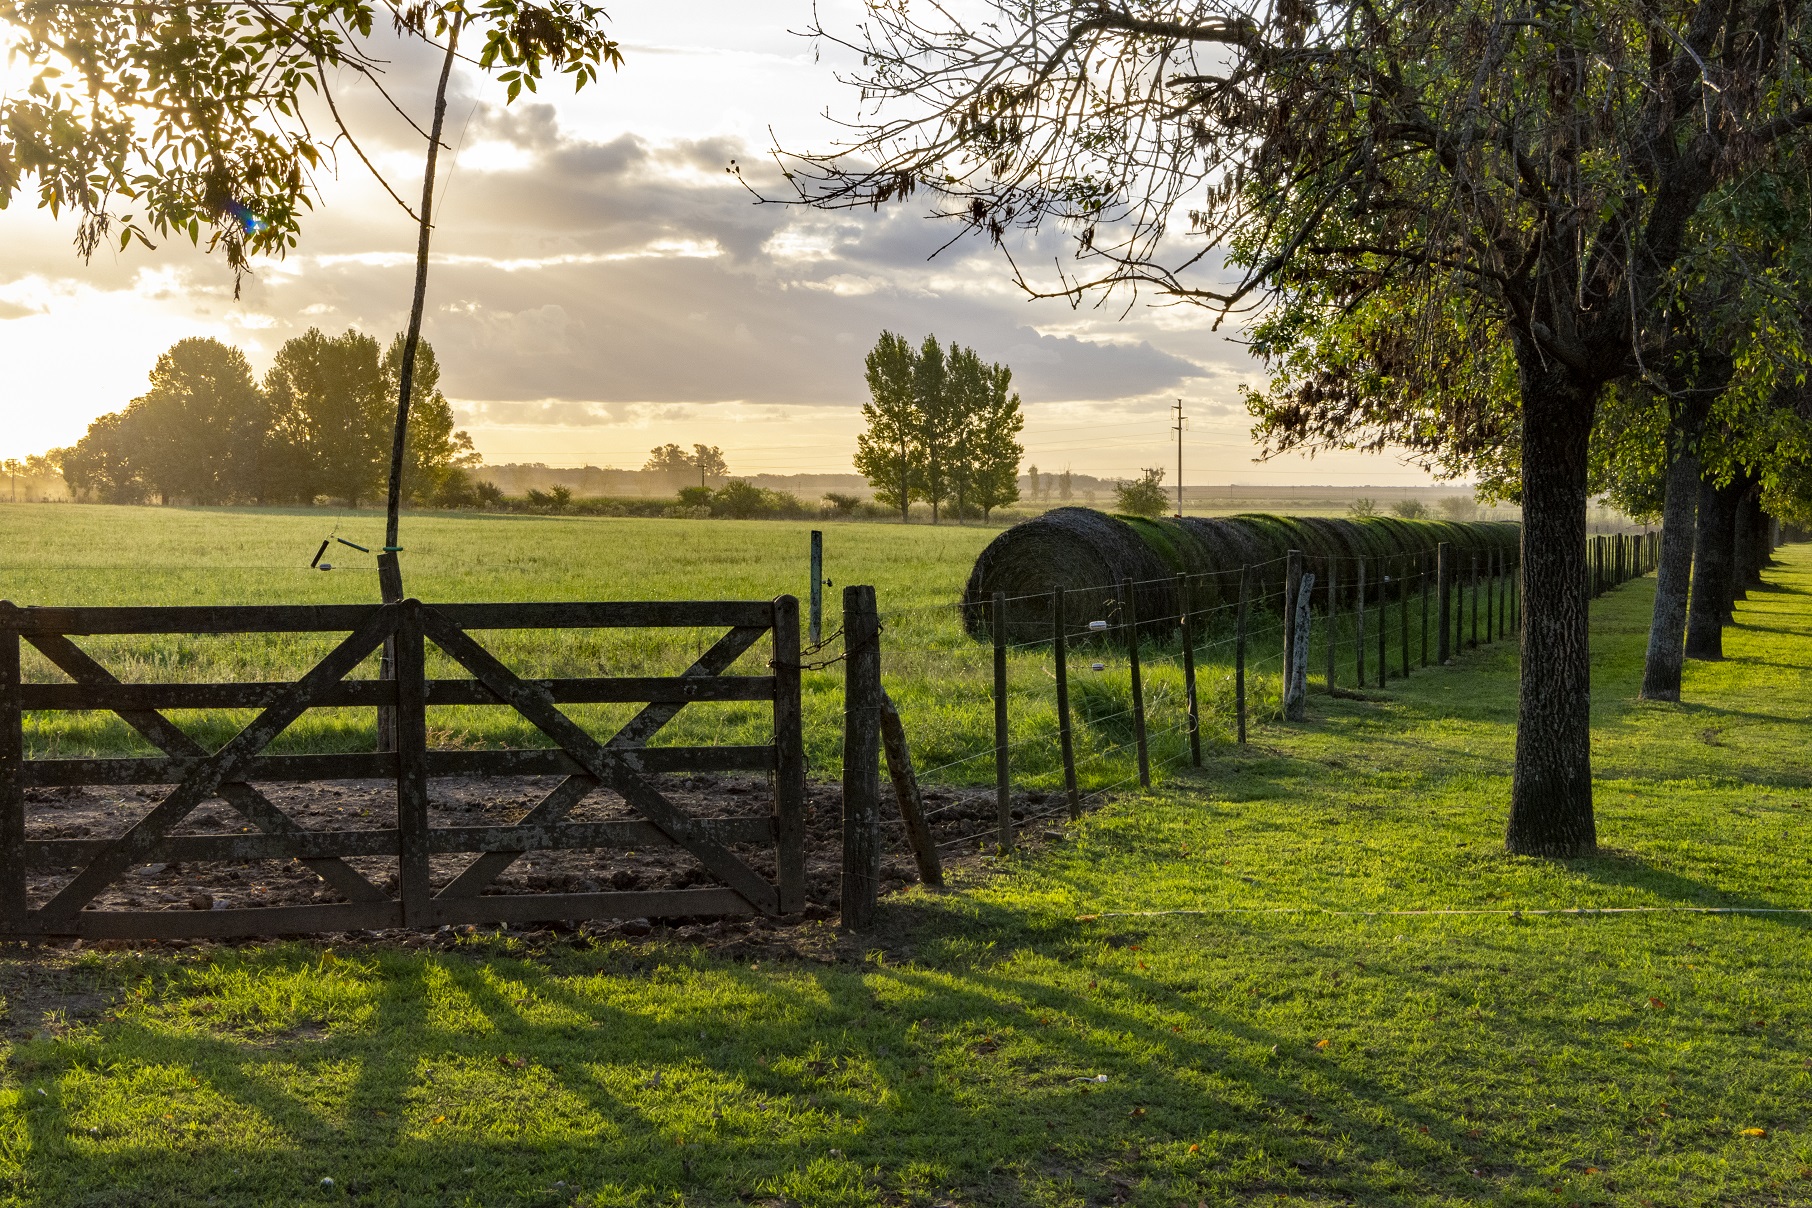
(941, 678)
(1197, 996)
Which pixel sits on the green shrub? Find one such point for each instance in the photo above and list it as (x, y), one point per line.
(1144, 496)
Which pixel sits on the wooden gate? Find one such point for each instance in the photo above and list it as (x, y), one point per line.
(623, 763)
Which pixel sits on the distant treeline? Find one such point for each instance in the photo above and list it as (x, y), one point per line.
(317, 427)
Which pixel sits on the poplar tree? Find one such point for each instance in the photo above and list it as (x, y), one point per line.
(886, 451)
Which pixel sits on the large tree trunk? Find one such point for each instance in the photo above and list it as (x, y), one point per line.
(1667, 631)
(1712, 541)
(1753, 552)
(1741, 537)
(1551, 793)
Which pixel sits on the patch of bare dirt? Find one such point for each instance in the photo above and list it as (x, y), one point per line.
(961, 820)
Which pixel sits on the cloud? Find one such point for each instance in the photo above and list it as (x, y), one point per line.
(591, 283)
(626, 270)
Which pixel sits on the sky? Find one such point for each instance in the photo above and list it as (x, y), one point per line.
(601, 284)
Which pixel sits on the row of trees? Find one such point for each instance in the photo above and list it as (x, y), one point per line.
(1519, 240)
(707, 461)
(319, 425)
(943, 429)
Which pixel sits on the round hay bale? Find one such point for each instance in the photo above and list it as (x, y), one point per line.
(1088, 553)
(1079, 549)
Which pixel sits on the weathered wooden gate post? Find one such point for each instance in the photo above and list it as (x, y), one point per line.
(410, 734)
(789, 756)
(861, 758)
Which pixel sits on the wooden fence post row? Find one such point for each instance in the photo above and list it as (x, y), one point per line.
(401, 630)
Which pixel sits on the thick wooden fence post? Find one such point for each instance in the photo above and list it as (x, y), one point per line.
(1359, 625)
(906, 792)
(1444, 602)
(1296, 675)
(861, 758)
(1060, 654)
(1194, 719)
(1129, 617)
(12, 777)
(1331, 641)
(1003, 786)
(411, 736)
(1239, 649)
(789, 746)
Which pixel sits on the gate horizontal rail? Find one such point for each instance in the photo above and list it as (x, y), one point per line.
(623, 763)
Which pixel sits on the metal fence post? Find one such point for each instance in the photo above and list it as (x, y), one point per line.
(816, 632)
(861, 758)
(1003, 789)
(1359, 625)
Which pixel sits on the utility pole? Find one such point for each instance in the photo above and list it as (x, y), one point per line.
(1178, 427)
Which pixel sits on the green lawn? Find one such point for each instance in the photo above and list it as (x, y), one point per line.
(1308, 1035)
(940, 677)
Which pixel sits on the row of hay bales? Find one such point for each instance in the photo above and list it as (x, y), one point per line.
(1087, 552)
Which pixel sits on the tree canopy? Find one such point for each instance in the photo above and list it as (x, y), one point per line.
(943, 428)
(212, 120)
(317, 427)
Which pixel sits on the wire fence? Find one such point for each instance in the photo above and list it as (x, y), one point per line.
(1016, 729)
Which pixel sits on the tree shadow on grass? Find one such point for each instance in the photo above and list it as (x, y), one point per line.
(818, 1086)
(1629, 870)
